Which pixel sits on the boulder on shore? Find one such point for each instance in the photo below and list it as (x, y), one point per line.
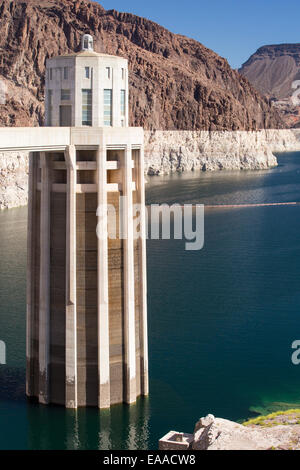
(280, 431)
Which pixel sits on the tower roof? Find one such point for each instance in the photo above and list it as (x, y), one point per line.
(87, 54)
(87, 50)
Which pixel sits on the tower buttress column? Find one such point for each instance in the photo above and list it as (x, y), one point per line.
(103, 308)
(44, 303)
(139, 162)
(31, 274)
(71, 307)
(129, 298)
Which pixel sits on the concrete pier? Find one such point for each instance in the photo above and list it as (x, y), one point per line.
(87, 309)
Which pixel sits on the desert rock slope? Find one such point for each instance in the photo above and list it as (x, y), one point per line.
(175, 82)
(273, 70)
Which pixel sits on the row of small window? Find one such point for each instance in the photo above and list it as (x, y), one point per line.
(65, 71)
(65, 95)
(87, 73)
(107, 70)
(87, 105)
(108, 73)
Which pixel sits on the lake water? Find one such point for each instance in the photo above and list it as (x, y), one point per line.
(221, 320)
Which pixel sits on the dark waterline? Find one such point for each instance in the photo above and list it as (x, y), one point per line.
(221, 320)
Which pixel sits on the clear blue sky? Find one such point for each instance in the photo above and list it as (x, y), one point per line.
(232, 28)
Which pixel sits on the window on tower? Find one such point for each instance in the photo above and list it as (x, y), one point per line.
(66, 73)
(107, 118)
(123, 102)
(65, 95)
(87, 105)
(50, 95)
(107, 72)
(87, 72)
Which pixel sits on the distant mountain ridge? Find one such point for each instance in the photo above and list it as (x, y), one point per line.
(175, 82)
(272, 70)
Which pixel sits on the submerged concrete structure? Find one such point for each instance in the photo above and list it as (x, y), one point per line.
(86, 294)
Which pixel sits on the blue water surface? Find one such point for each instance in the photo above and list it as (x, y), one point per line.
(221, 320)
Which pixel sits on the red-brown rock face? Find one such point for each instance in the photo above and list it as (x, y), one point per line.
(175, 82)
(273, 70)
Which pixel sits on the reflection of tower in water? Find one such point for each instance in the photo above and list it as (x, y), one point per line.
(120, 427)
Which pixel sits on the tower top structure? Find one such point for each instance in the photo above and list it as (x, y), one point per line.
(87, 43)
(87, 88)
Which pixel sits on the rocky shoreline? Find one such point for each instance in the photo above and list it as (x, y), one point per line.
(277, 431)
(171, 151)
(13, 179)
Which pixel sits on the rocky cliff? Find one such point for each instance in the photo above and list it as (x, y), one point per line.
(169, 151)
(273, 70)
(175, 82)
(13, 179)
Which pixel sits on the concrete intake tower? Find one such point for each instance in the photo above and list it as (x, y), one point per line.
(86, 294)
